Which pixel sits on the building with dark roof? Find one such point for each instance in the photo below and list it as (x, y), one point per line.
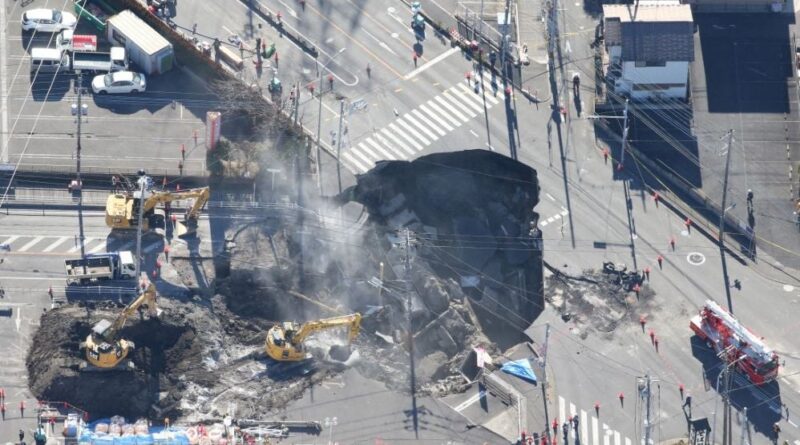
(649, 48)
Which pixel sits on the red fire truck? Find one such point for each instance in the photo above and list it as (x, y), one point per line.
(735, 343)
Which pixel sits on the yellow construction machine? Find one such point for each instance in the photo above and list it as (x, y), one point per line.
(285, 340)
(122, 209)
(106, 352)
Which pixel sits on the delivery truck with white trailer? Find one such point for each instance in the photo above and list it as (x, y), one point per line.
(146, 47)
(101, 267)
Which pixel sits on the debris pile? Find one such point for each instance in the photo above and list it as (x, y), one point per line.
(474, 278)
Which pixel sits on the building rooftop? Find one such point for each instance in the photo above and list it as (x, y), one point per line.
(649, 12)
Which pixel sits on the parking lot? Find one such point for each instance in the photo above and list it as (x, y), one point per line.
(120, 134)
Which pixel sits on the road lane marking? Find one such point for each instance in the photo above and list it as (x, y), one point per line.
(617, 438)
(358, 153)
(56, 243)
(30, 244)
(472, 95)
(98, 248)
(350, 158)
(444, 113)
(447, 98)
(432, 116)
(433, 61)
(572, 414)
(381, 43)
(397, 141)
(414, 132)
(403, 135)
(465, 98)
(78, 246)
(385, 154)
(390, 146)
(562, 409)
(595, 432)
(417, 124)
(3, 87)
(584, 425)
(10, 240)
(627, 441)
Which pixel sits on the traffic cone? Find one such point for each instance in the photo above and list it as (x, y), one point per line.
(652, 336)
(647, 272)
(672, 243)
(605, 155)
(656, 198)
(688, 224)
(660, 260)
(642, 322)
(636, 289)
(158, 264)
(681, 389)
(655, 343)
(621, 399)
(597, 409)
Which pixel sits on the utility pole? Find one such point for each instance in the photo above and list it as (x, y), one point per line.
(319, 127)
(79, 114)
(645, 391)
(503, 49)
(543, 362)
(411, 334)
(726, 152)
(624, 134)
(142, 184)
(339, 146)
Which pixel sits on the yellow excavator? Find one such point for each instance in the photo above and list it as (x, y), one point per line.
(284, 341)
(122, 209)
(106, 352)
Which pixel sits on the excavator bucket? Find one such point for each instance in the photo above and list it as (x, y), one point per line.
(186, 229)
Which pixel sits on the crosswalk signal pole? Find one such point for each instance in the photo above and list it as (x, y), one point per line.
(645, 392)
(544, 380)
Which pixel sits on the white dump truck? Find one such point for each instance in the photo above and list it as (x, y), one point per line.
(101, 267)
(99, 62)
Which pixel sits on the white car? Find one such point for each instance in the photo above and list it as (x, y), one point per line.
(120, 82)
(47, 20)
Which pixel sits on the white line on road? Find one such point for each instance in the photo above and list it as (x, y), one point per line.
(434, 61)
(584, 425)
(86, 241)
(419, 125)
(412, 131)
(562, 408)
(617, 438)
(397, 141)
(3, 87)
(431, 116)
(18, 321)
(351, 159)
(473, 133)
(381, 43)
(30, 244)
(453, 101)
(56, 243)
(11, 239)
(98, 248)
(595, 433)
(549, 196)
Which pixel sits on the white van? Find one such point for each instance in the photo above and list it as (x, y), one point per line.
(48, 60)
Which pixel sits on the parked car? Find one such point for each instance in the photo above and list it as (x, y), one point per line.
(47, 20)
(120, 82)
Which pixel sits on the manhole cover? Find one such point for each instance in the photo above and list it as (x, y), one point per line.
(696, 258)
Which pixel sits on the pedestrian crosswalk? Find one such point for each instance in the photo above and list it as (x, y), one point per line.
(601, 433)
(68, 245)
(410, 133)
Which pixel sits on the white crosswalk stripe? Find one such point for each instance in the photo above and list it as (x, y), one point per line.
(30, 244)
(601, 433)
(471, 96)
(403, 135)
(10, 240)
(380, 149)
(98, 248)
(56, 243)
(448, 97)
(77, 247)
(419, 125)
(456, 123)
(413, 131)
(355, 162)
(396, 141)
(425, 118)
(434, 116)
(390, 146)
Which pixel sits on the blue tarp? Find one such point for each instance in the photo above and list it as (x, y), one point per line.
(156, 436)
(520, 368)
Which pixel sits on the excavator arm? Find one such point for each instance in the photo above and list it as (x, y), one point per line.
(200, 195)
(285, 341)
(148, 297)
(353, 322)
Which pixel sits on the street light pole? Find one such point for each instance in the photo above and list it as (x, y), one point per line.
(79, 113)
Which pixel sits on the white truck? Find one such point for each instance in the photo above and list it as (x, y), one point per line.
(99, 62)
(100, 267)
(69, 41)
(148, 49)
